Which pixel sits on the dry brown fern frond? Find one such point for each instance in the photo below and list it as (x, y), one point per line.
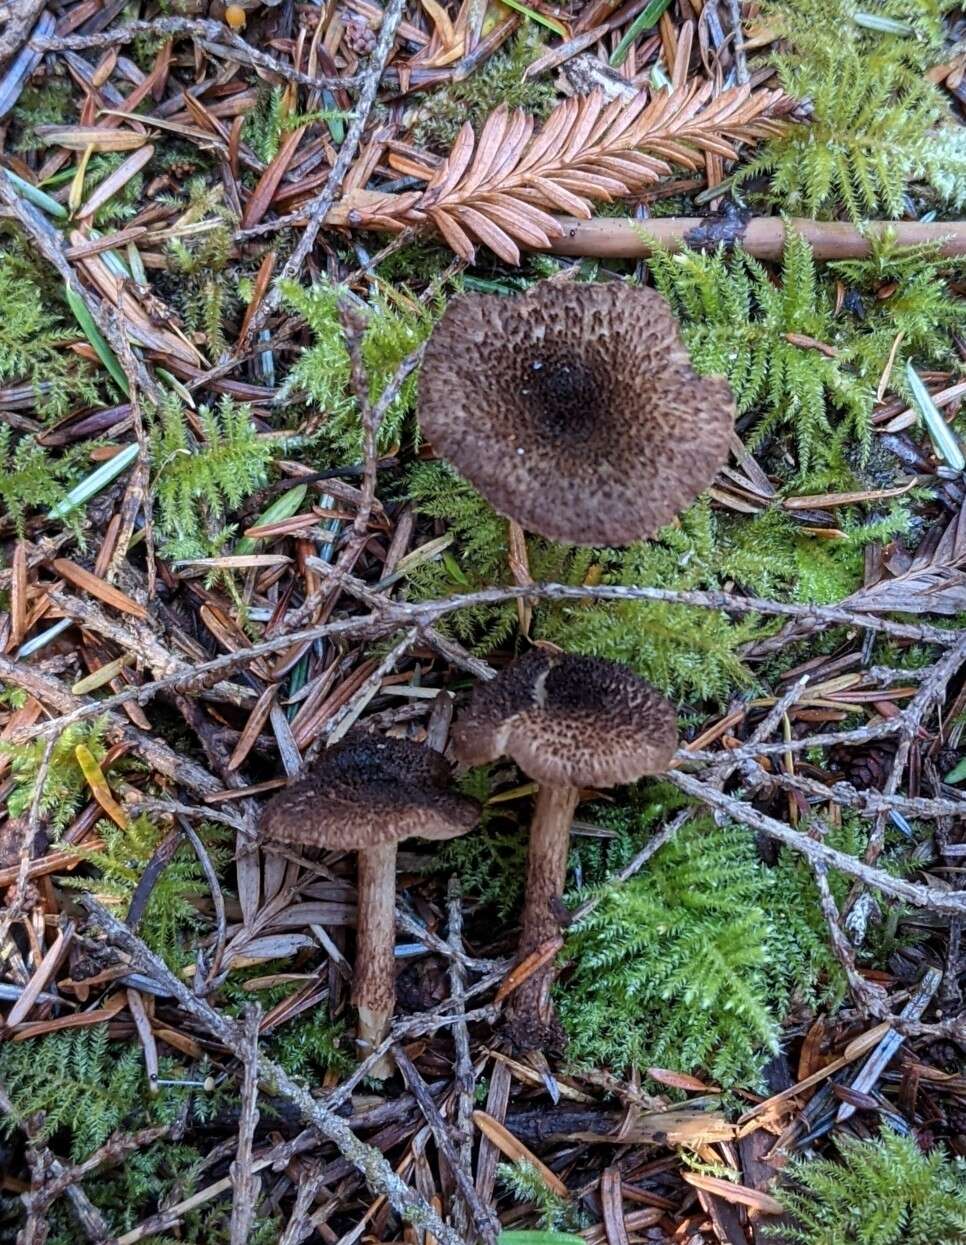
(500, 189)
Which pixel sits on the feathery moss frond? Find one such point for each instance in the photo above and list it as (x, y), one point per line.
(33, 336)
(883, 1192)
(77, 1080)
(736, 321)
(65, 786)
(197, 484)
(396, 326)
(30, 479)
(873, 111)
(691, 964)
(171, 919)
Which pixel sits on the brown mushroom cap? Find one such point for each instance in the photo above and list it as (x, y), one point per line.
(370, 790)
(574, 409)
(569, 721)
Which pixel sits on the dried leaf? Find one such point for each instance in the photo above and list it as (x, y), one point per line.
(737, 1193)
(97, 587)
(80, 137)
(99, 786)
(680, 1080)
(612, 1206)
(116, 182)
(517, 1152)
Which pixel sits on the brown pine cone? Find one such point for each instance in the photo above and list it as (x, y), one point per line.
(359, 36)
(865, 768)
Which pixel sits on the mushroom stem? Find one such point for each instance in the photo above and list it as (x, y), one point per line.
(374, 993)
(553, 816)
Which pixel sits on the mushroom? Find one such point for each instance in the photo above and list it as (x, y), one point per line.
(574, 409)
(568, 722)
(366, 794)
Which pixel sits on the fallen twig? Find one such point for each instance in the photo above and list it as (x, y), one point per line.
(378, 1174)
(910, 892)
(762, 236)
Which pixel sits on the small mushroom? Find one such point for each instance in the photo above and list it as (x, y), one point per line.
(366, 794)
(568, 722)
(574, 409)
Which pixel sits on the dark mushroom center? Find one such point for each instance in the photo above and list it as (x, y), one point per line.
(565, 393)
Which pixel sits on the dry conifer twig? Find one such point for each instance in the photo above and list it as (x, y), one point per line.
(213, 37)
(319, 209)
(485, 1221)
(91, 1221)
(501, 188)
(378, 1173)
(761, 236)
(930, 897)
(244, 1184)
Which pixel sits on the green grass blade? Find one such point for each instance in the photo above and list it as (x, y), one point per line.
(97, 340)
(282, 508)
(549, 22)
(943, 438)
(884, 25)
(644, 21)
(38, 197)
(96, 481)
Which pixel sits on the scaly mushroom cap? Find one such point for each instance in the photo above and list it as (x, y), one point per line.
(574, 409)
(369, 790)
(569, 721)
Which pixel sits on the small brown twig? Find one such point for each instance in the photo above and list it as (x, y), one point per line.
(465, 1077)
(50, 691)
(300, 1226)
(217, 899)
(738, 42)
(867, 802)
(30, 828)
(244, 1183)
(931, 691)
(485, 1221)
(762, 236)
(164, 1220)
(368, 87)
(213, 36)
(116, 1148)
(378, 1174)
(871, 998)
(20, 15)
(91, 1221)
(424, 614)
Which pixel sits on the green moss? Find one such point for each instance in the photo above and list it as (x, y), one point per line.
(172, 920)
(65, 786)
(396, 325)
(196, 486)
(30, 477)
(80, 1081)
(873, 113)
(500, 81)
(736, 321)
(883, 1192)
(206, 289)
(691, 964)
(47, 103)
(34, 333)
